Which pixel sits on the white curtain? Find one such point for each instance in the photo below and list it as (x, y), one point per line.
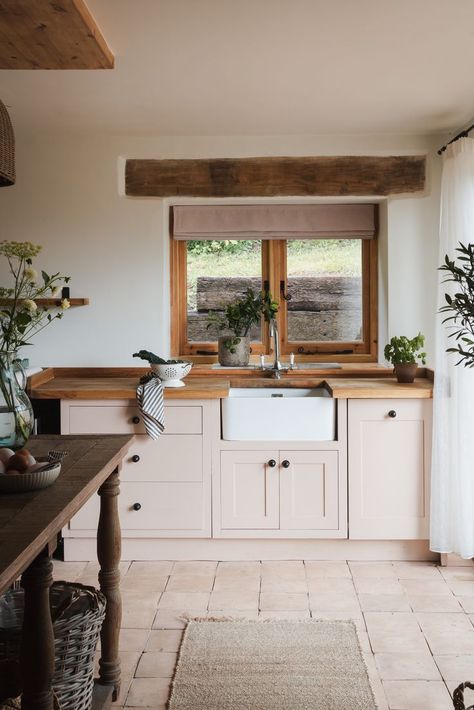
(452, 487)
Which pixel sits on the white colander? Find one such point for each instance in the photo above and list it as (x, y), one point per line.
(171, 375)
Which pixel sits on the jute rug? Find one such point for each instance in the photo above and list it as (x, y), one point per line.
(275, 665)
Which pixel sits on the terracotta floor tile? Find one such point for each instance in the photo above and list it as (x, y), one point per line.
(416, 570)
(326, 569)
(156, 664)
(287, 568)
(68, 571)
(234, 600)
(459, 574)
(284, 584)
(467, 604)
(456, 666)
(168, 640)
(355, 616)
(384, 602)
(372, 585)
(174, 618)
(331, 584)
(434, 602)
(195, 567)
(152, 583)
(184, 600)
(447, 633)
(407, 666)
(275, 601)
(339, 601)
(231, 583)
(394, 632)
(150, 569)
(303, 614)
(239, 569)
(137, 615)
(425, 586)
(190, 583)
(235, 614)
(417, 695)
(148, 692)
(373, 569)
(461, 588)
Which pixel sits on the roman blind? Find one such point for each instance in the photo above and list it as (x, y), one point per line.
(321, 221)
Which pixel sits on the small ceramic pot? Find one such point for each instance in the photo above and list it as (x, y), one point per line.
(405, 371)
(233, 352)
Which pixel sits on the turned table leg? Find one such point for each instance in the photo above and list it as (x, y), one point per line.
(108, 553)
(37, 641)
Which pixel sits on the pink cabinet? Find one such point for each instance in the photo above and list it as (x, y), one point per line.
(280, 493)
(388, 464)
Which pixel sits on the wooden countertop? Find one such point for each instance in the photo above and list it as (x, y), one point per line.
(121, 383)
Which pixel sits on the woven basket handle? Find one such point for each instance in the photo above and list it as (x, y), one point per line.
(458, 696)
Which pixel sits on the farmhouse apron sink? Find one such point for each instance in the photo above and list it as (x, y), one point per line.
(278, 414)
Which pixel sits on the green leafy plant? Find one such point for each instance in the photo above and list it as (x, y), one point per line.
(155, 359)
(460, 305)
(240, 316)
(401, 350)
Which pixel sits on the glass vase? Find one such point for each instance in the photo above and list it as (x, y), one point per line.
(16, 412)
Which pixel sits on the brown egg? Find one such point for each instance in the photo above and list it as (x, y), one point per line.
(17, 462)
(30, 459)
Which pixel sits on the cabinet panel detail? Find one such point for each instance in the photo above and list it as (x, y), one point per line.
(169, 458)
(249, 490)
(109, 419)
(389, 463)
(309, 490)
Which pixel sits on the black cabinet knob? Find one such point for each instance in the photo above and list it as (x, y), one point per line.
(137, 506)
(285, 463)
(135, 420)
(392, 414)
(135, 458)
(272, 463)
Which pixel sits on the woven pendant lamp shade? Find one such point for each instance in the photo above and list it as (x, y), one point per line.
(7, 149)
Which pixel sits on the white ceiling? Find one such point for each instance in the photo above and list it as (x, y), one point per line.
(223, 67)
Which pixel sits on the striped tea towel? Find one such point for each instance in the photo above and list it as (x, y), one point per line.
(150, 401)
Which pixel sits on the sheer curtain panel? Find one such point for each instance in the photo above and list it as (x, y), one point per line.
(452, 487)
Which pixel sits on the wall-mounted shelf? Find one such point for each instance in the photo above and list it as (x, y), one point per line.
(51, 301)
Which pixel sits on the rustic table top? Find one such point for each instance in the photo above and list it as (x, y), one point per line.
(29, 521)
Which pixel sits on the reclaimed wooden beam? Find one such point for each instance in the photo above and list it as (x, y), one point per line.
(40, 34)
(271, 177)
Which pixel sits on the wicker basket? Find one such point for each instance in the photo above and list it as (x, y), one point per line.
(77, 612)
(458, 696)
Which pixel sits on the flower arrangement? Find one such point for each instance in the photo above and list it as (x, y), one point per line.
(20, 315)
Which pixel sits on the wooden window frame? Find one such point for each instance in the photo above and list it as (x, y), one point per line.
(273, 272)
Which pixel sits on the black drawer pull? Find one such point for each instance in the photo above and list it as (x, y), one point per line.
(272, 463)
(137, 506)
(135, 458)
(285, 463)
(392, 414)
(135, 420)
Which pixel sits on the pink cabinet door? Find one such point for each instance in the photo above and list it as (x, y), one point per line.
(309, 490)
(249, 490)
(389, 462)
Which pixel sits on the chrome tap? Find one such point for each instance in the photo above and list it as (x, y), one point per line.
(273, 332)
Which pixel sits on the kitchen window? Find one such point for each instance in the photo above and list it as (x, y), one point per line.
(323, 273)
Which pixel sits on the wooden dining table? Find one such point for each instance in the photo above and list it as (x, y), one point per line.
(29, 527)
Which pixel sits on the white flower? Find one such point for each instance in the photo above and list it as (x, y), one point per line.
(65, 304)
(29, 305)
(54, 291)
(31, 274)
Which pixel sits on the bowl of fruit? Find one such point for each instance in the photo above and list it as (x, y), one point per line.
(21, 472)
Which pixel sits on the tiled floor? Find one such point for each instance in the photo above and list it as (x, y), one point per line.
(415, 620)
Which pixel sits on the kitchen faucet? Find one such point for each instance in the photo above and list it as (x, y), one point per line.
(273, 332)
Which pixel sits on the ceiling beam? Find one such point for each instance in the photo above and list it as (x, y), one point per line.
(271, 177)
(51, 34)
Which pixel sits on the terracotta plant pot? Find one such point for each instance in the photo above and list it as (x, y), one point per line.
(241, 347)
(405, 371)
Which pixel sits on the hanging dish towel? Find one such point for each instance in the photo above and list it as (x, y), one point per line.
(150, 401)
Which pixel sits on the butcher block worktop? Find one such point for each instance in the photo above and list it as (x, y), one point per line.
(121, 383)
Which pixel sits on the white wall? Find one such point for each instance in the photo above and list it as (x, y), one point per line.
(69, 198)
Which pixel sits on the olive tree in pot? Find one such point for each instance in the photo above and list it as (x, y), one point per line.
(460, 305)
(237, 319)
(403, 353)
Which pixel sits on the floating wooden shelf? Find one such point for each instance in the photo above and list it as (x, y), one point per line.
(51, 301)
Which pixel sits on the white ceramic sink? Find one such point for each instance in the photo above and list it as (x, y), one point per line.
(278, 414)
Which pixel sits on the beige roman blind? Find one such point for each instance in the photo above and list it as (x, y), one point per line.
(335, 221)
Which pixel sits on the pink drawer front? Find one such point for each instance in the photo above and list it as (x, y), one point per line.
(170, 458)
(150, 506)
(91, 419)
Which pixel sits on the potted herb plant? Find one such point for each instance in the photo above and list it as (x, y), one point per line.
(460, 306)
(403, 353)
(237, 319)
